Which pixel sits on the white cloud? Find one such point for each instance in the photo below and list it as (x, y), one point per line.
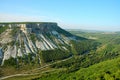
(22, 18)
(61, 23)
(25, 18)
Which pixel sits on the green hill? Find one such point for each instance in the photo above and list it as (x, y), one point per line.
(107, 70)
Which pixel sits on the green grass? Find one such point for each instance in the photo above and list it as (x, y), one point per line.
(34, 74)
(107, 70)
(23, 77)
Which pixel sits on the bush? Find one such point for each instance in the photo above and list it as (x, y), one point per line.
(52, 55)
(2, 29)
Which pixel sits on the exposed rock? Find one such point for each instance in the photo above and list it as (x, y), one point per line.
(31, 37)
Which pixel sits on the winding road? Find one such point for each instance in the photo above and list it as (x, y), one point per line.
(26, 74)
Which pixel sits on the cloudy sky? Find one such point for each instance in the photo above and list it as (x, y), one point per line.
(69, 14)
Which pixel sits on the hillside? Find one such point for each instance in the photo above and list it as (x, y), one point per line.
(89, 59)
(22, 39)
(107, 70)
(28, 45)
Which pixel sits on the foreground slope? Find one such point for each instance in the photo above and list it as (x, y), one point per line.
(107, 70)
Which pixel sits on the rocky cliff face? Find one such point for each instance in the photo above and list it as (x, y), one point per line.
(22, 39)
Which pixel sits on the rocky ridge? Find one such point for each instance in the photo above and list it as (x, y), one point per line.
(24, 38)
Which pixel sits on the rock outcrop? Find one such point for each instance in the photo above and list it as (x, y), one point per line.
(24, 38)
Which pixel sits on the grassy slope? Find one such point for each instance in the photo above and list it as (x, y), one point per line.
(107, 70)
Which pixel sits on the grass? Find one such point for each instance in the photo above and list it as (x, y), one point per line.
(23, 77)
(34, 74)
(107, 70)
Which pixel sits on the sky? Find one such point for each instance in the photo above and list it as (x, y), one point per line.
(69, 14)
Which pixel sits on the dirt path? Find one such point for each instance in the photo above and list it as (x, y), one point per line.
(26, 74)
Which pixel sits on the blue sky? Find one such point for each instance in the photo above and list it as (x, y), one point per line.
(69, 14)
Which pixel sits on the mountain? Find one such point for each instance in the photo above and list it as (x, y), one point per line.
(34, 42)
(25, 46)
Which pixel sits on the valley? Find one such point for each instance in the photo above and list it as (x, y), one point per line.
(59, 40)
(44, 51)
